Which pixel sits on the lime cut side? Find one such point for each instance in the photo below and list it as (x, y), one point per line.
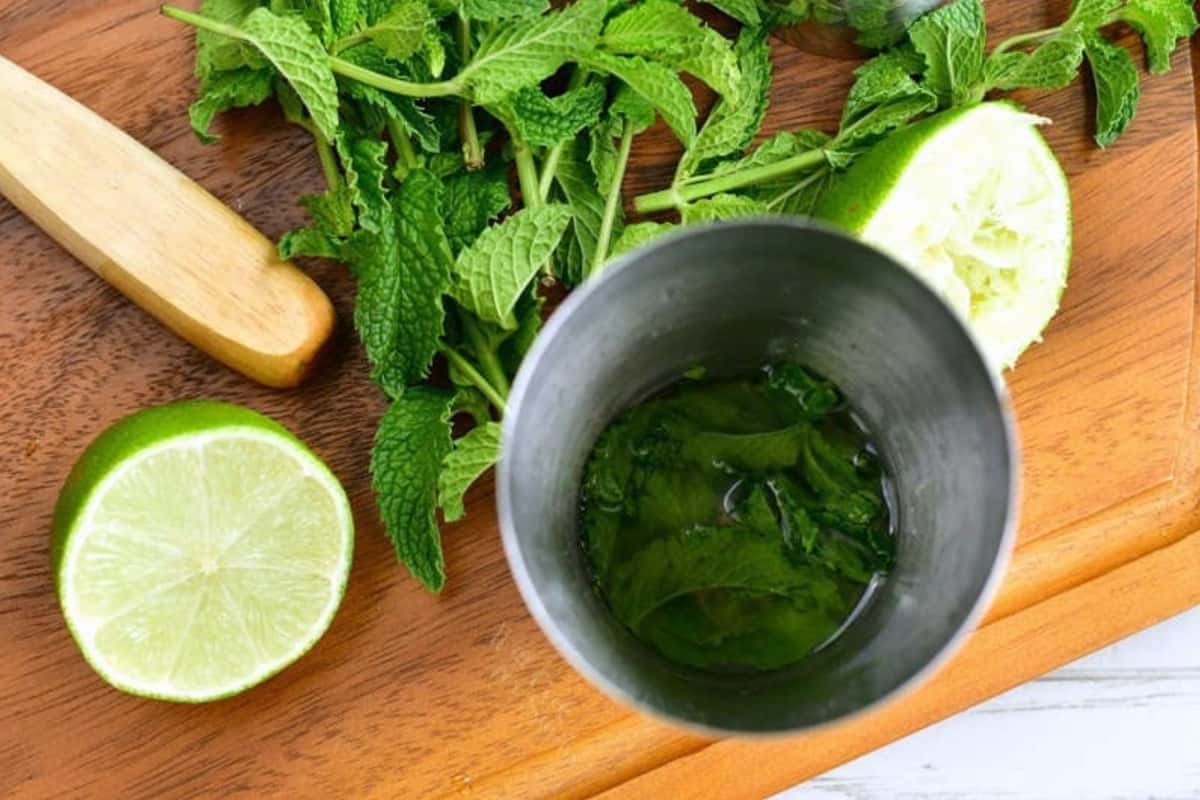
(200, 549)
(975, 203)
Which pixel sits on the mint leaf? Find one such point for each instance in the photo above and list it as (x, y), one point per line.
(1162, 23)
(291, 105)
(333, 211)
(434, 50)
(602, 155)
(217, 53)
(472, 455)
(363, 161)
(412, 441)
(883, 79)
(810, 397)
(877, 123)
(845, 499)
(702, 559)
(222, 91)
(375, 10)
(1088, 15)
(403, 272)
(951, 39)
(526, 52)
(841, 553)
(469, 400)
(472, 200)
(309, 241)
(496, 10)
(721, 207)
(317, 14)
(333, 222)
(656, 84)
(629, 106)
(578, 183)
(754, 452)
(491, 274)
(346, 16)
(371, 56)
(290, 47)
(529, 322)
(735, 120)
(544, 121)
(879, 23)
(404, 110)
(801, 197)
(634, 236)
(1052, 65)
(664, 31)
(1115, 77)
(300, 58)
(401, 32)
(744, 11)
(746, 629)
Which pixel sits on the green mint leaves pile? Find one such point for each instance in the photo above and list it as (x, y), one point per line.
(420, 110)
(736, 523)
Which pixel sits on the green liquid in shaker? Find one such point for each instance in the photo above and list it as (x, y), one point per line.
(737, 525)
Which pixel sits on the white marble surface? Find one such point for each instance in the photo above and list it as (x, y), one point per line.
(1121, 724)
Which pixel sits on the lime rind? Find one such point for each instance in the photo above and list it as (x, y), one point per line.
(188, 633)
(975, 203)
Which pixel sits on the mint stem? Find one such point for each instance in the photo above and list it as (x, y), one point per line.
(471, 374)
(394, 85)
(527, 172)
(329, 164)
(679, 196)
(549, 167)
(1026, 38)
(612, 201)
(349, 41)
(488, 362)
(202, 22)
(406, 157)
(472, 152)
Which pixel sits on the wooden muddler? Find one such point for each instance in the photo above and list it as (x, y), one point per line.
(155, 235)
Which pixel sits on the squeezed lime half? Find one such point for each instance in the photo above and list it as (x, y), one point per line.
(974, 202)
(198, 549)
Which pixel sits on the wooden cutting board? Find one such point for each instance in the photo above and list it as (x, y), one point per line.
(412, 695)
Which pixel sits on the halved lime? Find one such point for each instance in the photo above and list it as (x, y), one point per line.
(974, 202)
(198, 549)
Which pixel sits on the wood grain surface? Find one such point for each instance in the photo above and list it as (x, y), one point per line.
(420, 696)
